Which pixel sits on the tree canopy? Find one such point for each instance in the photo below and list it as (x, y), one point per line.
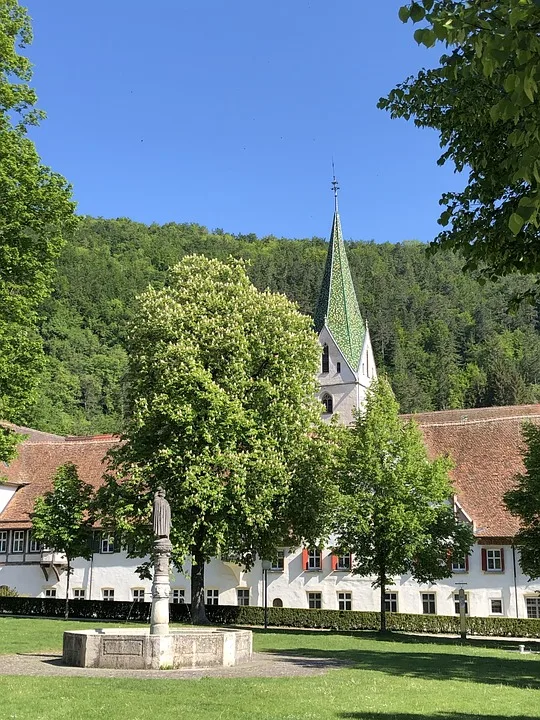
(395, 512)
(35, 212)
(444, 340)
(523, 501)
(483, 99)
(224, 418)
(62, 518)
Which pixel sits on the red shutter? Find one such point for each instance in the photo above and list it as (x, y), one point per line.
(305, 559)
(334, 561)
(466, 563)
(484, 559)
(502, 559)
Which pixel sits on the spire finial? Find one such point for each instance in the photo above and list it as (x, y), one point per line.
(335, 187)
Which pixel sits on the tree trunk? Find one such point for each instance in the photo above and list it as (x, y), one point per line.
(198, 612)
(66, 610)
(382, 577)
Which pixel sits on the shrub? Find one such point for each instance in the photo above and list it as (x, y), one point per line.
(6, 591)
(346, 620)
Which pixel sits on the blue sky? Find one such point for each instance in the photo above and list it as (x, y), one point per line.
(228, 113)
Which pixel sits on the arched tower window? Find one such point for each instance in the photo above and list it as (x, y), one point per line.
(325, 359)
(328, 403)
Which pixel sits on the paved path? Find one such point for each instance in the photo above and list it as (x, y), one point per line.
(263, 665)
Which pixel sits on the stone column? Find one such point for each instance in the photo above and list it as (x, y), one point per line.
(161, 588)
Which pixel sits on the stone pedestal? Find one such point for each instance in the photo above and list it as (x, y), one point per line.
(161, 588)
(133, 649)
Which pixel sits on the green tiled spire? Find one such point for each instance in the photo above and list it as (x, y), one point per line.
(338, 306)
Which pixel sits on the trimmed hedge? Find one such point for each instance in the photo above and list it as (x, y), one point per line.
(277, 617)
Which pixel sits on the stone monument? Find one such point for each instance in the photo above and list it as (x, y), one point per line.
(161, 648)
(161, 585)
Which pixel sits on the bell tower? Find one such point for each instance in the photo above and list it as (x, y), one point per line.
(347, 362)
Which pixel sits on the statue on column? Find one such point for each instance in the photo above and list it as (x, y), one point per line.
(161, 515)
(161, 586)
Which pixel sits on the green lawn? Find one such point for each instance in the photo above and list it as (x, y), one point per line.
(402, 677)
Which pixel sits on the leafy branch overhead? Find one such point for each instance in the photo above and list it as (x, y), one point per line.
(483, 99)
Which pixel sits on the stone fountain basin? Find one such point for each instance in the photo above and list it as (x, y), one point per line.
(134, 649)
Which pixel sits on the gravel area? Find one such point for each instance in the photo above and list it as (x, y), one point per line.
(263, 665)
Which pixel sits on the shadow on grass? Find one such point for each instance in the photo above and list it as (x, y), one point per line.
(410, 639)
(432, 716)
(421, 662)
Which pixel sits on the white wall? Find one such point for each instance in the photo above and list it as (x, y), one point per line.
(290, 585)
(6, 493)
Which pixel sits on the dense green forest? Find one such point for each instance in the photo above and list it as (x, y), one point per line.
(445, 340)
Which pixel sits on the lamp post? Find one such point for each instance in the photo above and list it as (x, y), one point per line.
(266, 566)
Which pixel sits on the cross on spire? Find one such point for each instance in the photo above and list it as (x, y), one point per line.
(335, 187)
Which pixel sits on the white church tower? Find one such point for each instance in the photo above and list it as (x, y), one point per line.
(347, 365)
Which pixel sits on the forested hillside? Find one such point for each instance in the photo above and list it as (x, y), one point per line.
(444, 340)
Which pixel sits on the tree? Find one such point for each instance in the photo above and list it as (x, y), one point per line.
(224, 418)
(483, 100)
(61, 519)
(35, 212)
(395, 513)
(523, 501)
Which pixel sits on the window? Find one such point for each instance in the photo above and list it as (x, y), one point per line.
(496, 606)
(34, 546)
(277, 602)
(107, 543)
(494, 560)
(212, 597)
(328, 403)
(460, 565)
(17, 545)
(338, 367)
(428, 604)
(242, 595)
(107, 593)
(344, 600)
(314, 600)
(50, 592)
(178, 596)
(3, 541)
(533, 607)
(78, 593)
(314, 559)
(344, 562)
(278, 563)
(390, 601)
(137, 594)
(325, 359)
(456, 603)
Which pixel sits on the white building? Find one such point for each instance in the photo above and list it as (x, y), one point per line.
(484, 443)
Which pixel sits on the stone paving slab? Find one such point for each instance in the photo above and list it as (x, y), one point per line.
(263, 665)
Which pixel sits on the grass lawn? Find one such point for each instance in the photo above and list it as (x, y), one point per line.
(401, 677)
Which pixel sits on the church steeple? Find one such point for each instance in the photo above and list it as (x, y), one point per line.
(337, 308)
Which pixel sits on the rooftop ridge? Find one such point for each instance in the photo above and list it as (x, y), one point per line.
(481, 421)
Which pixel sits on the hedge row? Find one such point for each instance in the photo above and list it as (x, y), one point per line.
(277, 617)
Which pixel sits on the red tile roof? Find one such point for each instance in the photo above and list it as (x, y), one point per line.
(484, 443)
(36, 464)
